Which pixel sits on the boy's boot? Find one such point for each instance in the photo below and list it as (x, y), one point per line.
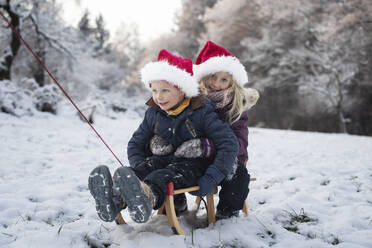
(100, 186)
(180, 205)
(137, 195)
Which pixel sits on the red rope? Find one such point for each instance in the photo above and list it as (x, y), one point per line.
(56, 82)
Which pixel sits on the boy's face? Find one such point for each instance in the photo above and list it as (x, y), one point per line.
(218, 81)
(165, 95)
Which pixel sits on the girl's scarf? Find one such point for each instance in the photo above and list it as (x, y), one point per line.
(221, 97)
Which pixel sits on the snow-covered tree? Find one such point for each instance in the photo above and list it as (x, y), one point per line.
(70, 58)
(97, 35)
(190, 26)
(306, 57)
(127, 51)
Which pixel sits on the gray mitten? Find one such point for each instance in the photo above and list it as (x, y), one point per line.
(190, 149)
(159, 146)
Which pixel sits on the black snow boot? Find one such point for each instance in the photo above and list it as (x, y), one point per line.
(180, 205)
(100, 186)
(136, 194)
(221, 215)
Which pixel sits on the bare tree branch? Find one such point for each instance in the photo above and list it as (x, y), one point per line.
(51, 41)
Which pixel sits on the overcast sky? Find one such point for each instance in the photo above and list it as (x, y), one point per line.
(152, 17)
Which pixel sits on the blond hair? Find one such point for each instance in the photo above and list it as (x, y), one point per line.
(242, 98)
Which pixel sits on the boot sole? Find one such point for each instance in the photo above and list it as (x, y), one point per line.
(133, 194)
(100, 186)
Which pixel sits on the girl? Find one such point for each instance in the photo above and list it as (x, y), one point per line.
(176, 114)
(222, 77)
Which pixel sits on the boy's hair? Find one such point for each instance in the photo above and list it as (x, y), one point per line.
(240, 100)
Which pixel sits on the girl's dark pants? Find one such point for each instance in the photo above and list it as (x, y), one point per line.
(234, 191)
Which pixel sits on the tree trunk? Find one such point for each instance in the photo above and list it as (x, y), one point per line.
(15, 43)
(38, 74)
(341, 119)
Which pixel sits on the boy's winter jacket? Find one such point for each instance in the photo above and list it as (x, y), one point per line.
(196, 121)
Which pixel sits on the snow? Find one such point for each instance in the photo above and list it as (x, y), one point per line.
(325, 179)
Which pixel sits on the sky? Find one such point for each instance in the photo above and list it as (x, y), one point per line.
(155, 18)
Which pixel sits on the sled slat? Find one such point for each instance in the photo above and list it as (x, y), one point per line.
(171, 212)
(119, 219)
(190, 189)
(210, 208)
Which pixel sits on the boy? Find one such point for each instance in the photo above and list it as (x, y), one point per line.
(176, 114)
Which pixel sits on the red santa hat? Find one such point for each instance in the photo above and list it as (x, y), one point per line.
(214, 58)
(174, 69)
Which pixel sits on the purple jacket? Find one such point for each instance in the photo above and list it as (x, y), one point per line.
(240, 129)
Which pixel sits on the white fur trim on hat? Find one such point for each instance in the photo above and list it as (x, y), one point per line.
(228, 64)
(162, 70)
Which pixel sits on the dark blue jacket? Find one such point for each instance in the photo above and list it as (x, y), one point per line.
(196, 121)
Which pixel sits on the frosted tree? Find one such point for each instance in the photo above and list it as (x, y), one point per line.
(15, 16)
(98, 35)
(34, 20)
(127, 51)
(228, 23)
(346, 64)
(308, 58)
(191, 26)
(68, 57)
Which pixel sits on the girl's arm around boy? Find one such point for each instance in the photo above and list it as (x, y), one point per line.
(226, 145)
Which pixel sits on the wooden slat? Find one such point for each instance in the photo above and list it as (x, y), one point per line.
(119, 219)
(160, 210)
(245, 208)
(211, 211)
(171, 214)
(190, 189)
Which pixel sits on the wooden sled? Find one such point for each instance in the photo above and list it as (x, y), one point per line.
(171, 212)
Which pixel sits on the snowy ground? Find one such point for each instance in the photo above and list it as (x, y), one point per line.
(313, 189)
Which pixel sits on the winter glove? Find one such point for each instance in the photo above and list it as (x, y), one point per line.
(159, 146)
(147, 163)
(137, 164)
(196, 148)
(211, 178)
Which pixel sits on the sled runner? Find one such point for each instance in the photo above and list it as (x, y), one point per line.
(171, 212)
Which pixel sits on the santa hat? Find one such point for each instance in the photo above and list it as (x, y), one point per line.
(214, 58)
(174, 69)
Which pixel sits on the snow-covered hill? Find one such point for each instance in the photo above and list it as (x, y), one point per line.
(312, 189)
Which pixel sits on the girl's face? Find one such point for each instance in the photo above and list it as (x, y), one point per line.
(218, 81)
(165, 95)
